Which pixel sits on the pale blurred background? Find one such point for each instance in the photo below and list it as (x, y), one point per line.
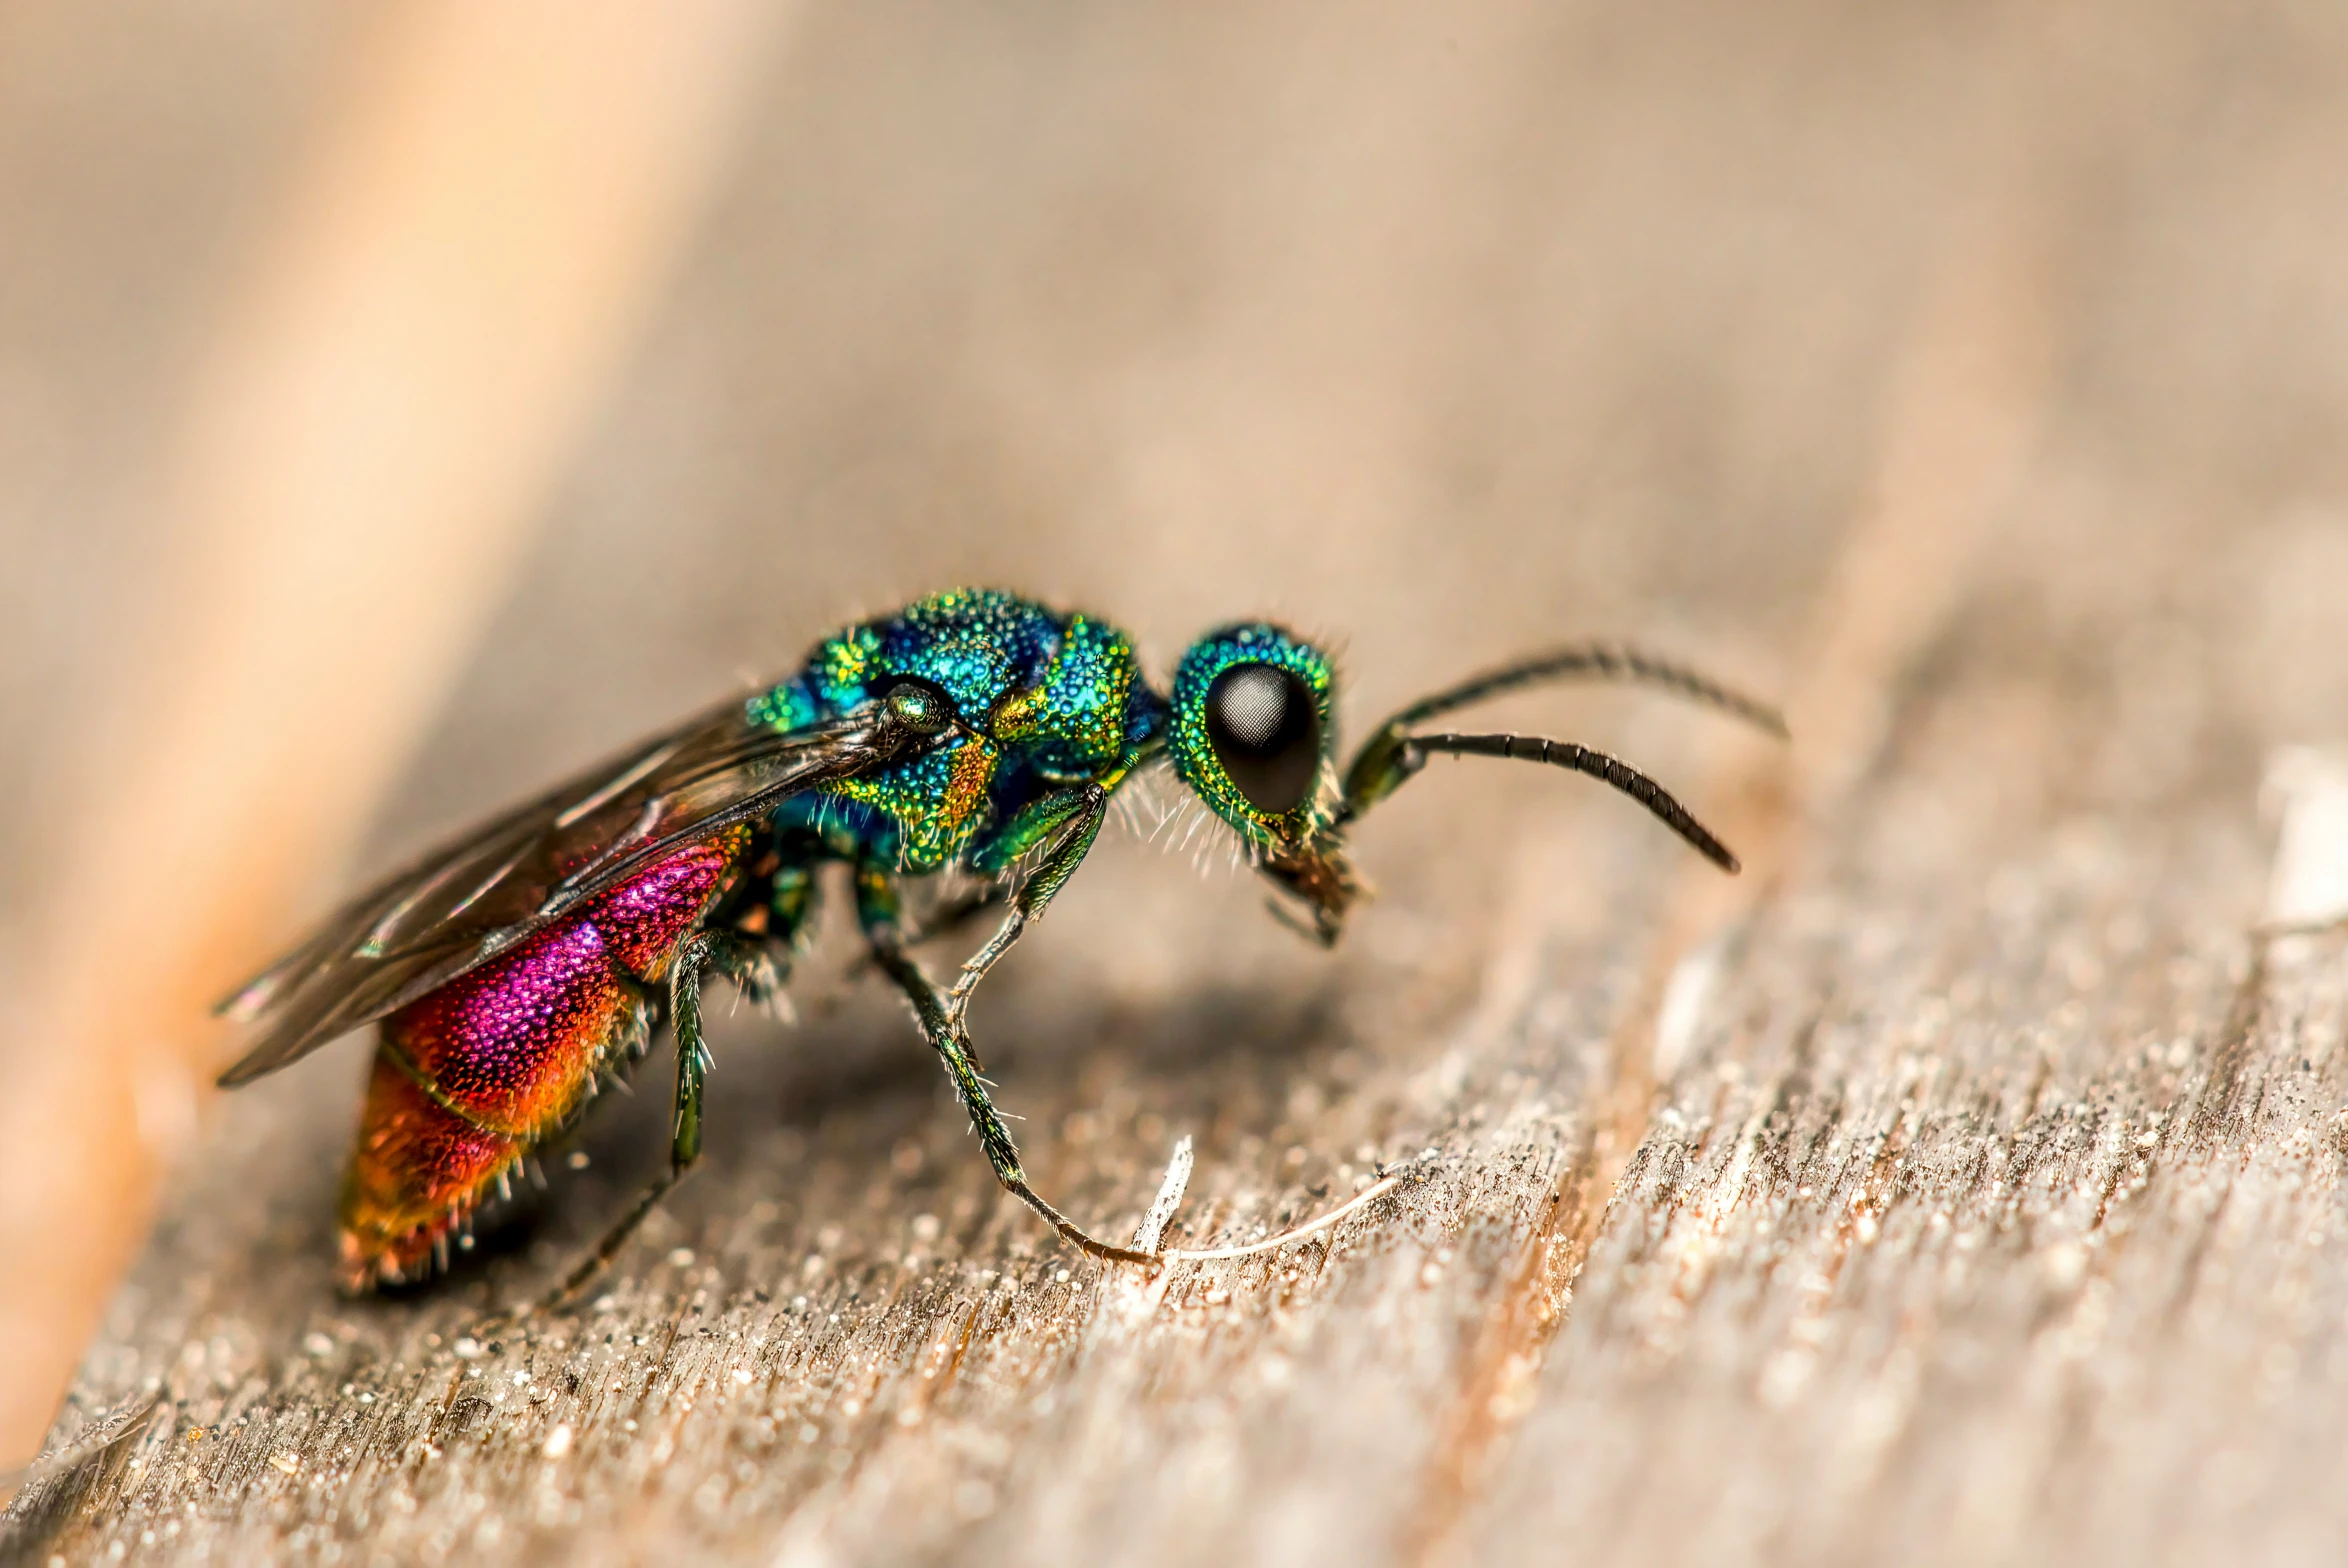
(1841, 346)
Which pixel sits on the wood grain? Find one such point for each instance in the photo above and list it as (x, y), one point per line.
(1962, 1185)
(431, 317)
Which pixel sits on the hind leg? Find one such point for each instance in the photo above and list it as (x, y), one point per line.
(703, 952)
(745, 954)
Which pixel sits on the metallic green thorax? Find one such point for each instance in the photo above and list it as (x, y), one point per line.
(1043, 702)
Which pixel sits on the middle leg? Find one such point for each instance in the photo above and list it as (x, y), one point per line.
(939, 1013)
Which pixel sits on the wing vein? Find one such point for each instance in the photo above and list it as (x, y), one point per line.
(610, 792)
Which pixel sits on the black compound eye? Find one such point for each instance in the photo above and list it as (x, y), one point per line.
(1266, 731)
(920, 706)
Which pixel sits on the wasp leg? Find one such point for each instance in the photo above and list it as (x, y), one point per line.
(947, 1037)
(1076, 816)
(692, 1055)
(590, 1269)
(943, 921)
(940, 1014)
(705, 950)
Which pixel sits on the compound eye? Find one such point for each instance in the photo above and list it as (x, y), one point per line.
(1266, 731)
(919, 706)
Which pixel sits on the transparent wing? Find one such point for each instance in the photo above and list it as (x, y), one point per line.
(473, 899)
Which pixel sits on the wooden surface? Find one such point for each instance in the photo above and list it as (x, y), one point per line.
(426, 324)
(1963, 1184)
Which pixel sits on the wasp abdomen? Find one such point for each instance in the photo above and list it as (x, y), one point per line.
(470, 1078)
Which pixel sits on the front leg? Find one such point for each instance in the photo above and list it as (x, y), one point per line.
(946, 1036)
(1076, 815)
(942, 1026)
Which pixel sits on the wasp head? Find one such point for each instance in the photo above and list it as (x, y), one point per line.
(1252, 734)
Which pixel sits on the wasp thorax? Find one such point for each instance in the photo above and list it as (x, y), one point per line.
(1265, 729)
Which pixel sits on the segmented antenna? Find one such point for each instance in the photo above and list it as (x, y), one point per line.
(1602, 661)
(1580, 759)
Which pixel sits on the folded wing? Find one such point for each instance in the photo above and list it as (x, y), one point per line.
(475, 898)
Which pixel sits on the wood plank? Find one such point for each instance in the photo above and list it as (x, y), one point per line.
(1963, 1185)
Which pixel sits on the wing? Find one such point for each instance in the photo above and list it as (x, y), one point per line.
(473, 899)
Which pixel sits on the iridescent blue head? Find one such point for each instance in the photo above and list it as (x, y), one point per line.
(1252, 732)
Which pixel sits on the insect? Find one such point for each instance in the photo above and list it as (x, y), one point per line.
(519, 968)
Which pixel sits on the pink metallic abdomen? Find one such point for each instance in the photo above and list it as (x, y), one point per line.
(470, 1078)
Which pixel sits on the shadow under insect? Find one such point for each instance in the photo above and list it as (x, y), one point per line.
(828, 1121)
